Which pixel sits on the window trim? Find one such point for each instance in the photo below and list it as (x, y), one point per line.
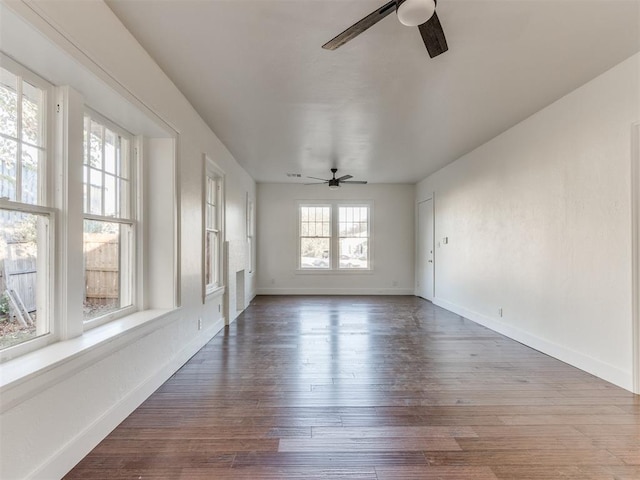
(334, 267)
(44, 206)
(212, 170)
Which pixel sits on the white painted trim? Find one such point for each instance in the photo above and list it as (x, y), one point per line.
(30, 374)
(635, 253)
(584, 362)
(70, 454)
(335, 291)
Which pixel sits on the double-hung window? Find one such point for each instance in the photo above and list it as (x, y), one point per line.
(26, 219)
(109, 224)
(334, 236)
(353, 236)
(213, 225)
(315, 237)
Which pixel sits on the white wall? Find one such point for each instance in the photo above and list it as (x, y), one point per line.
(51, 419)
(392, 241)
(538, 222)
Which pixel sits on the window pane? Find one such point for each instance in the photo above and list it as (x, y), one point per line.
(23, 295)
(314, 253)
(31, 158)
(8, 103)
(354, 236)
(95, 147)
(8, 154)
(110, 141)
(212, 260)
(110, 196)
(208, 248)
(354, 253)
(124, 162)
(107, 267)
(32, 115)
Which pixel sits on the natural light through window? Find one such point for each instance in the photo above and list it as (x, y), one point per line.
(108, 222)
(353, 231)
(25, 219)
(334, 236)
(315, 236)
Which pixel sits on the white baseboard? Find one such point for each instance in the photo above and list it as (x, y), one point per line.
(579, 360)
(335, 291)
(71, 453)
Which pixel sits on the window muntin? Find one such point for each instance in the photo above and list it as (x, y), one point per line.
(108, 240)
(315, 236)
(213, 230)
(353, 241)
(26, 221)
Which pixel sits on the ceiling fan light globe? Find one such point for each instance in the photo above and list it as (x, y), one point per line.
(334, 187)
(415, 12)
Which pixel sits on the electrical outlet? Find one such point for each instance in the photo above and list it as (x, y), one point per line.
(500, 312)
(200, 323)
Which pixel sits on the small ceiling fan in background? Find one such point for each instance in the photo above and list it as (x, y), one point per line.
(334, 182)
(412, 13)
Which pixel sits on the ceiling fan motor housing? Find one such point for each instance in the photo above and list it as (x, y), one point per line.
(415, 12)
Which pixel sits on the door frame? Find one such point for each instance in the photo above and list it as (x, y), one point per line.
(428, 197)
(635, 252)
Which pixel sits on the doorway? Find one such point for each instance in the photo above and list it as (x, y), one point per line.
(426, 271)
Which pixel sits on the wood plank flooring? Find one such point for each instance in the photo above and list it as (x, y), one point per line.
(372, 388)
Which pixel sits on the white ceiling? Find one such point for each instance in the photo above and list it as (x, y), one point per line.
(377, 108)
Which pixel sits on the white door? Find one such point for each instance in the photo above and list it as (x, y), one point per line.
(425, 249)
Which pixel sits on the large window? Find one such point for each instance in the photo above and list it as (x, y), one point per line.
(26, 219)
(213, 224)
(108, 219)
(315, 236)
(353, 232)
(334, 236)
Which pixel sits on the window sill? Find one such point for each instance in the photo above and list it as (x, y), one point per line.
(306, 271)
(215, 293)
(33, 372)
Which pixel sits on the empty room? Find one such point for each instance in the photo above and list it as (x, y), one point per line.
(344, 239)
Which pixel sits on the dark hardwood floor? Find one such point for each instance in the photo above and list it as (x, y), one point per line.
(372, 388)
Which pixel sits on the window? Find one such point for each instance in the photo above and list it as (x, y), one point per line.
(250, 232)
(213, 222)
(328, 228)
(315, 236)
(26, 219)
(353, 231)
(108, 219)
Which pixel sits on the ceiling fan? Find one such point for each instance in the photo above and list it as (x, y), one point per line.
(412, 13)
(334, 182)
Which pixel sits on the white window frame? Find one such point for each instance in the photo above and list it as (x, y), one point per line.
(334, 238)
(129, 262)
(339, 237)
(250, 233)
(43, 207)
(213, 173)
(328, 205)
